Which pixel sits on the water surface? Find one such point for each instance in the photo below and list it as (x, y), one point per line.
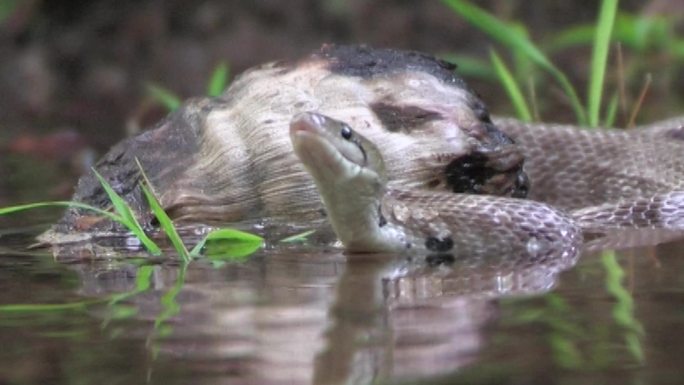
(298, 314)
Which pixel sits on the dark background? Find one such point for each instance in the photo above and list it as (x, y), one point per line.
(73, 74)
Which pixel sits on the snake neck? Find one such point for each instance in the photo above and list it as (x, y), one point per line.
(354, 210)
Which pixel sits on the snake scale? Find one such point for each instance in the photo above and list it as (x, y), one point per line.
(457, 178)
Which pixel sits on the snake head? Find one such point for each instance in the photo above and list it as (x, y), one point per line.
(334, 153)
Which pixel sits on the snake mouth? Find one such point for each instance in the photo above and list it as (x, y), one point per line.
(312, 148)
(492, 172)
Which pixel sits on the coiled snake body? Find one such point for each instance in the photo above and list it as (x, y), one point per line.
(349, 172)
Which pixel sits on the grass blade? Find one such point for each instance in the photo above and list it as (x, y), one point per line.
(164, 221)
(518, 42)
(599, 58)
(164, 97)
(219, 79)
(570, 37)
(511, 87)
(228, 244)
(301, 237)
(166, 224)
(128, 219)
(135, 228)
(43, 308)
(611, 111)
(470, 66)
(31, 206)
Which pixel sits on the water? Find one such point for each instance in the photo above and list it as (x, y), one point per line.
(300, 314)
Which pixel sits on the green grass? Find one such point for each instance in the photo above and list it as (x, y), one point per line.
(127, 217)
(224, 244)
(220, 244)
(164, 221)
(512, 37)
(218, 80)
(215, 86)
(638, 32)
(635, 32)
(511, 87)
(599, 60)
(133, 226)
(163, 96)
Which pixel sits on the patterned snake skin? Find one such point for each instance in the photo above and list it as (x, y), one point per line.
(607, 179)
(592, 167)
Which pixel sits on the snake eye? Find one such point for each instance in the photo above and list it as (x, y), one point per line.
(346, 132)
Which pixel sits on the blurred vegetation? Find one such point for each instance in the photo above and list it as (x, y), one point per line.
(643, 36)
(168, 99)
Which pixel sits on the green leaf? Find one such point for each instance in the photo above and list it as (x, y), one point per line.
(228, 244)
(599, 59)
(166, 224)
(163, 96)
(163, 218)
(128, 219)
(31, 206)
(516, 41)
(219, 79)
(511, 87)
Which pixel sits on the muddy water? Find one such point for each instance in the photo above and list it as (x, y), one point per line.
(299, 314)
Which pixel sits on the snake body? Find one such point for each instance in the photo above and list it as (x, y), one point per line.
(367, 216)
(227, 159)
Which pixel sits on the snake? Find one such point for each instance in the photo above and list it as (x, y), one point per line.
(367, 216)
